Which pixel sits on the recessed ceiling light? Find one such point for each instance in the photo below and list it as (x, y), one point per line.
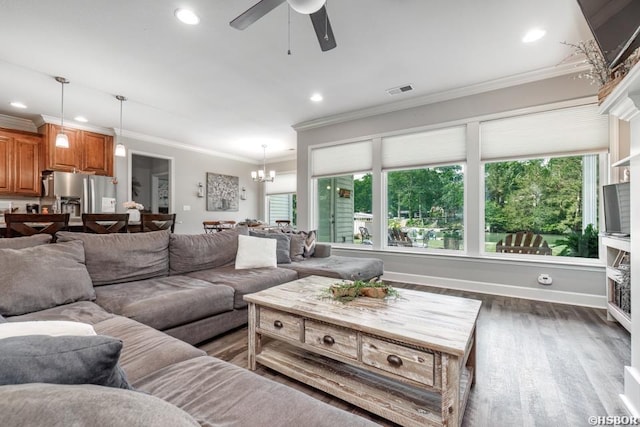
(187, 16)
(80, 119)
(17, 104)
(316, 97)
(533, 35)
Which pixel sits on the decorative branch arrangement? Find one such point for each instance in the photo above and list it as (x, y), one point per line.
(590, 52)
(348, 290)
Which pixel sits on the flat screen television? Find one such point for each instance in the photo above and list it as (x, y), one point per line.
(617, 208)
(615, 25)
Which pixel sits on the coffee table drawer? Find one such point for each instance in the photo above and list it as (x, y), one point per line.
(416, 365)
(279, 323)
(337, 340)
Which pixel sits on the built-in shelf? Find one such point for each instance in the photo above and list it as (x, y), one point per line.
(623, 162)
(618, 293)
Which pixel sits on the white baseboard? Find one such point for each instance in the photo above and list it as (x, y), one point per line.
(631, 396)
(538, 294)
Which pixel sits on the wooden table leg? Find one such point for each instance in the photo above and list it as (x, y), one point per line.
(451, 416)
(253, 338)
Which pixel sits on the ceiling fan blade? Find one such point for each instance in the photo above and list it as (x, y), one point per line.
(323, 29)
(254, 13)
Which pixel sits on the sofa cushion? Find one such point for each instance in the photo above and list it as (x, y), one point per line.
(340, 267)
(296, 249)
(144, 349)
(283, 244)
(246, 281)
(202, 251)
(61, 360)
(254, 252)
(123, 257)
(165, 302)
(54, 405)
(82, 311)
(218, 393)
(52, 328)
(25, 242)
(41, 277)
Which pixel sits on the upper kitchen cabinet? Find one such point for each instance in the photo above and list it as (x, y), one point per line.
(88, 151)
(20, 163)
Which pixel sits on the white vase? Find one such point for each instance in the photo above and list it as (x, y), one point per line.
(134, 215)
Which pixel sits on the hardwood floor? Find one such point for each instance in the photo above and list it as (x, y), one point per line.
(538, 363)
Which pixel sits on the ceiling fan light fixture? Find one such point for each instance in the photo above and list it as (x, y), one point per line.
(306, 7)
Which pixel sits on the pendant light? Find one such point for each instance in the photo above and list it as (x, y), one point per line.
(121, 150)
(261, 174)
(62, 140)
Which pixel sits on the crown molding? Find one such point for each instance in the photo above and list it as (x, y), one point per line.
(42, 119)
(515, 80)
(17, 123)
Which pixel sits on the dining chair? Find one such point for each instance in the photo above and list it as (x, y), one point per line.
(157, 222)
(18, 225)
(105, 223)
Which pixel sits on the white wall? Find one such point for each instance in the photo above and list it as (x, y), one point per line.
(190, 168)
(582, 284)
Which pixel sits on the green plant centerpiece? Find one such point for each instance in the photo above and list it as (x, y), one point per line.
(348, 290)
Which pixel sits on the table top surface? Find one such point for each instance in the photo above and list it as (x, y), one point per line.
(439, 322)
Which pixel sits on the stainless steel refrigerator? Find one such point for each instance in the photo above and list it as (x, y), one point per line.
(78, 193)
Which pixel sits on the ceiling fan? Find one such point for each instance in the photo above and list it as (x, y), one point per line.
(314, 8)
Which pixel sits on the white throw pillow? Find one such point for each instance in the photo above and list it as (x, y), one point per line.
(54, 328)
(254, 252)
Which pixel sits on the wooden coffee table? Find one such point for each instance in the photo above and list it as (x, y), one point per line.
(410, 360)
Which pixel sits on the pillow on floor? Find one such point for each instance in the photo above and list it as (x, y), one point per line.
(62, 360)
(52, 328)
(41, 277)
(254, 252)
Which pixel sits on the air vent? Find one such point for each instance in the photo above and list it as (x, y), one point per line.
(399, 89)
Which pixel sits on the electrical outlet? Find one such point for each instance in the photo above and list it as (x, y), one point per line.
(545, 279)
(186, 208)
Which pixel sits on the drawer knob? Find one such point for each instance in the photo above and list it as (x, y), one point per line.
(394, 360)
(328, 340)
(277, 324)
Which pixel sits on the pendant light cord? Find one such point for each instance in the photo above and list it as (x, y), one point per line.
(288, 29)
(62, 110)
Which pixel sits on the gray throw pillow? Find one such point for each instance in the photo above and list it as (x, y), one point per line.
(54, 405)
(25, 242)
(296, 251)
(283, 245)
(33, 279)
(123, 257)
(62, 360)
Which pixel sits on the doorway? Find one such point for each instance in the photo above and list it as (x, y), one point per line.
(151, 182)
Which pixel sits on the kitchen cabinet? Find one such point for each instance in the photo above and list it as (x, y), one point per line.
(88, 151)
(20, 163)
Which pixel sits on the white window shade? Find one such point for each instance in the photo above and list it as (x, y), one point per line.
(567, 131)
(283, 184)
(341, 159)
(424, 148)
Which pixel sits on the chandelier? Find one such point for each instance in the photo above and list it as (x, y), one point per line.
(261, 174)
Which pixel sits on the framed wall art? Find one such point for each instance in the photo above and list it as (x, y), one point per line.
(223, 192)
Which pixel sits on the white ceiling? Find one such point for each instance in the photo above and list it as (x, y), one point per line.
(230, 91)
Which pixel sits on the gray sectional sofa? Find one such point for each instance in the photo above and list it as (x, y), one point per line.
(146, 290)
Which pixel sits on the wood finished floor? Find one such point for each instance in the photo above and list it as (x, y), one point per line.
(539, 364)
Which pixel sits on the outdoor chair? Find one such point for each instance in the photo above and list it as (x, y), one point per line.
(397, 237)
(29, 224)
(366, 237)
(524, 242)
(105, 223)
(157, 222)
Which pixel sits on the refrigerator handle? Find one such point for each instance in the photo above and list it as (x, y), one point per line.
(85, 187)
(93, 194)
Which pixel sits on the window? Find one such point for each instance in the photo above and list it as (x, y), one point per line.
(338, 219)
(554, 197)
(541, 176)
(425, 208)
(281, 198)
